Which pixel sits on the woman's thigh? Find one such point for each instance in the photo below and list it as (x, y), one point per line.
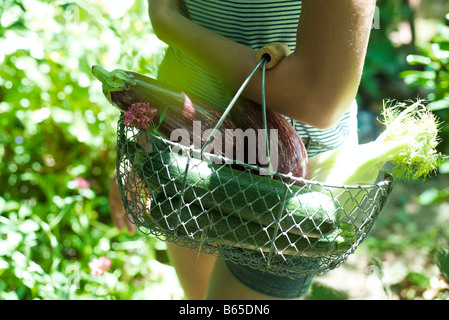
(194, 270)
(244, 283)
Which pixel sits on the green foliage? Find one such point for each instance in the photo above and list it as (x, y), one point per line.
(433, 195)
(385, 59)
(443, 262)
(319, 291)
(407, 238)
(57, 127)
(429, 72)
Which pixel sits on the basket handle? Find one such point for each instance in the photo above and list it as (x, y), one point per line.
(266, 58)
(274, 53)
(271, 54)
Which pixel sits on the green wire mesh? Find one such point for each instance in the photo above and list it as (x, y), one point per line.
(285, 225)
(219, 214)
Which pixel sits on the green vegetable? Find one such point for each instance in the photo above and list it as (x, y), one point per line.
(231, 191)
(210, 226)
(408, 142)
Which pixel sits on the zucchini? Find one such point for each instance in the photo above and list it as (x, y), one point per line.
(218, 229)
(230, 191)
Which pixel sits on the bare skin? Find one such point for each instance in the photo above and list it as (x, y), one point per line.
(316, 85)
(116, 209)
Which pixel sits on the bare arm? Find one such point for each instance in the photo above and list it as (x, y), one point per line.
(316, 84)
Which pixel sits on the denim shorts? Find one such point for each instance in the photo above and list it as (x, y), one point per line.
(270, 284)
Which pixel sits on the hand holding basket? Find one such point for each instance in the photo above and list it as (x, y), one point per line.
(222, 206)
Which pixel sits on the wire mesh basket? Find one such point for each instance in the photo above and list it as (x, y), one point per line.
(281, 224)
(288, 226)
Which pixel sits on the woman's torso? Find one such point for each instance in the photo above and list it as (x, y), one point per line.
(255, 24)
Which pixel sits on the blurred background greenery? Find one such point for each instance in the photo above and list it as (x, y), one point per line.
(58, 144)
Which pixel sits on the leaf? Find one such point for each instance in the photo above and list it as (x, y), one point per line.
(439, 104)
(415, 59)
(161, 118)
(444, 167)
(419, 78)
(320, 291)
(28, 226)
(443, 263)
(429, 197)
(443, 31)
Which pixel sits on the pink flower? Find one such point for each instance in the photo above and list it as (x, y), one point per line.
(140, 115)
(81, 183)
(99, 266)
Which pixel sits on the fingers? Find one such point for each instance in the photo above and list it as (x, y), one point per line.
(120, 219)
(130, 225)
(134, 190)
(116, 209)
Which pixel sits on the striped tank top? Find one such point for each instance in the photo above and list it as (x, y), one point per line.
(255, 24)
